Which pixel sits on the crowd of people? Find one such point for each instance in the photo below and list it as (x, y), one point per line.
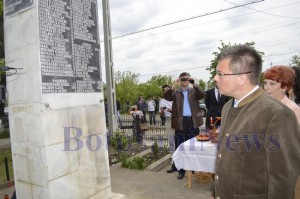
(269, 111)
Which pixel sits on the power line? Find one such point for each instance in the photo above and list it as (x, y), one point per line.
(187, 19)
(230, 37)
(209, 22)
(283, 53)
(263, 12)
(205, 66)
(188, 69)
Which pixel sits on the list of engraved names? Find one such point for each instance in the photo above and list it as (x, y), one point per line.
(69, 46)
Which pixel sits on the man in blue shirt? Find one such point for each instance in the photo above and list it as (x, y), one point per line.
(186, 116)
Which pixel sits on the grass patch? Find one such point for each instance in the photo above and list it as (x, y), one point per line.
(6, 153)
(143, 162)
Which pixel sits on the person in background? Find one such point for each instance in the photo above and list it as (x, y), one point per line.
(138, 116)
(156, 100)
(141, 105)
(294, 95)
(186, 116)
(166, 108)
(134, 111)
(161, 111)
(258, 149)
(214, 103)
(295, 92)
(278, 82)
(151, 110)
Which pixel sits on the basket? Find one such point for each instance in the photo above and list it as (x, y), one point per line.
(143, 126)
(204, 177)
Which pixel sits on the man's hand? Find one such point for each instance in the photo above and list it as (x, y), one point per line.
(176, 83)
(191, 80)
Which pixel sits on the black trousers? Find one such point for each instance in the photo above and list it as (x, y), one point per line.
(185, 134)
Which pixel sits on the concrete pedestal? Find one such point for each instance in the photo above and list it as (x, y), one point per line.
(56, 110)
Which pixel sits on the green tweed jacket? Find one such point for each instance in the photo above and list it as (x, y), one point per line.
(259, 150)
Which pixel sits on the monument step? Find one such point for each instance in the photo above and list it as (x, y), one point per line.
(118, 196)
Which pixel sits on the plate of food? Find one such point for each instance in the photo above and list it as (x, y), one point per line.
(202, 137)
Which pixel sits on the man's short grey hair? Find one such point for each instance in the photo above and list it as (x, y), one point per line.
(243, 58)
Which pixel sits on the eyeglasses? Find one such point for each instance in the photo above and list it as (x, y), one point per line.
(224, 74)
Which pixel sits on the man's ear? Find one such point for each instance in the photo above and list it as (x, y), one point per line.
(243, 79)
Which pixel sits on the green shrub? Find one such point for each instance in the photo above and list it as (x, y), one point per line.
(134, 163)
(119, 141)
(155, 150)
(166, 149)
(6, 153)
(5, 134)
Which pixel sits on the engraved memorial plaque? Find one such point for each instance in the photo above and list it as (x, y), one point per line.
(69, 46)
(16, 6)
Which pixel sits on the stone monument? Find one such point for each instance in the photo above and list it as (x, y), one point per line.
(56, 109)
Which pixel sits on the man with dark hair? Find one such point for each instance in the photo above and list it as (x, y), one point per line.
(166, 109)
(186, 116)
(258, 150)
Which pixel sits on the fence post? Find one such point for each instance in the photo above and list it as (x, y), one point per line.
(6, 168)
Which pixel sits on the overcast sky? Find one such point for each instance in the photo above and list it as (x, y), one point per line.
(274, 26)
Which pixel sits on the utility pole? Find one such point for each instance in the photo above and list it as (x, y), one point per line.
(271, 63)
(110, 77)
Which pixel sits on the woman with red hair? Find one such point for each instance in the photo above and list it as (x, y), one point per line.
(279, 80)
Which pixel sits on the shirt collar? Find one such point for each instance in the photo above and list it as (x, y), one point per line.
(236, 102)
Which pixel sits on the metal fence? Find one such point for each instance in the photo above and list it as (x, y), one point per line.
(153, 132)
(6, 172)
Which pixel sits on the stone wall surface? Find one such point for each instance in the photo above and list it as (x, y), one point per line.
(58, 132)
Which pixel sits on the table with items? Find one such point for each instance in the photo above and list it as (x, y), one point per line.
(195, 155)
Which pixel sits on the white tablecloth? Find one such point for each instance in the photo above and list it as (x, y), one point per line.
(196, 156)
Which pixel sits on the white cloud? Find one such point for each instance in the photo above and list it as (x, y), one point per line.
(188, 46)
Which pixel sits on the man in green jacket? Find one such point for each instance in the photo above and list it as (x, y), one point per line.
(258, 153)
(186, 116)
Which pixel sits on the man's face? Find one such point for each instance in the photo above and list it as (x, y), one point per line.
(165, 89)
(227, 84)
(184, 81)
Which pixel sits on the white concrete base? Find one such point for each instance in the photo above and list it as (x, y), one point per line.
(118, 196)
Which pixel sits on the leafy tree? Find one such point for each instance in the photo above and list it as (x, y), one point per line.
(126, 87)
(214, 62)
(2, 73)
(295, 61)
(153, 86)
(1, 7)
(202, 84)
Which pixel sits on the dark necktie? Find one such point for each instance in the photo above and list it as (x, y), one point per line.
(219, 96)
